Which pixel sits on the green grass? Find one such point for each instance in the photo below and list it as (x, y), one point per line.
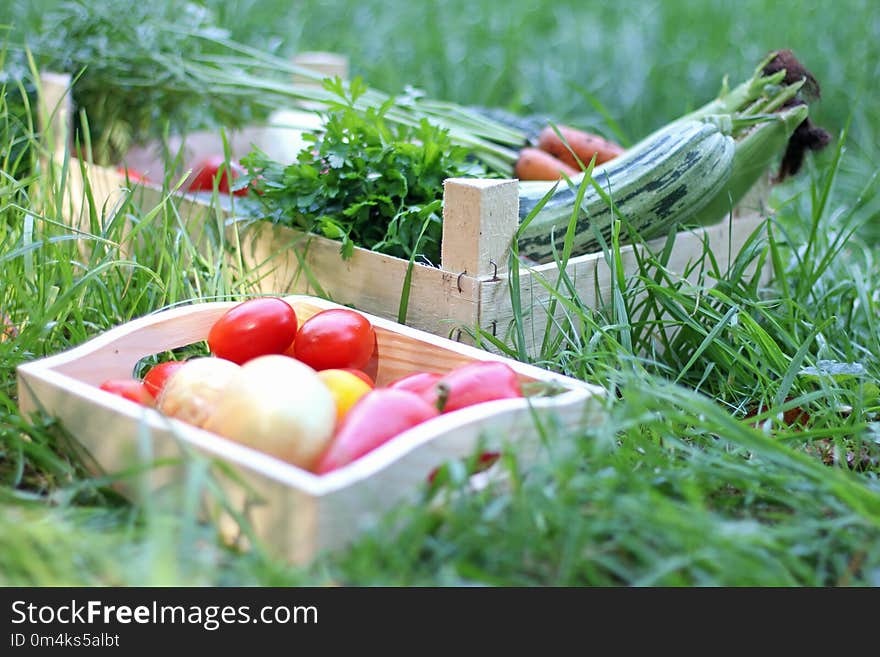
(679, 487)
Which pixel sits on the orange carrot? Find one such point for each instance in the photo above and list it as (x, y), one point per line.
(535, 164)
(584, 144)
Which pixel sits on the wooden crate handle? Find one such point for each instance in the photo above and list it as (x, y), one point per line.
(115, 352)
(162, 331)
(480, 218)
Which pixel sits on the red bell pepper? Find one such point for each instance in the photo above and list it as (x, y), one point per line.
(474, 383)
(208, 168)
(376, 418)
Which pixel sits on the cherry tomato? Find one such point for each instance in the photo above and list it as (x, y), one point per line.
(130, 389)
(256, 327)
(335, 339)
(346, 387)
(157, 375)
(207, 170)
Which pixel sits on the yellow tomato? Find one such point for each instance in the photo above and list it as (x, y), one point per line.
(346, 389)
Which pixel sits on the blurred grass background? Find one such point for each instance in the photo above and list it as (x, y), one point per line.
(643, 63)
(623, 69)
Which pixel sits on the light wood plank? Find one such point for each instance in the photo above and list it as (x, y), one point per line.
(480, 218)
(440, 301)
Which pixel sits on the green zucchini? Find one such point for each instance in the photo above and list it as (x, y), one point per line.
(756, 151)
(654, 185)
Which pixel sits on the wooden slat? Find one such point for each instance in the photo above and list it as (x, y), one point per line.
(110, 190)
(480, 218)
(439, 302)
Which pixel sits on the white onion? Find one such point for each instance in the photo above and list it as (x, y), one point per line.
(278, 405)
(191, 393)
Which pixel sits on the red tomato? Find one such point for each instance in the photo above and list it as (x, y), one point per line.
(157, 375)
(131, 389)
(207, 170)
(366, 378)
(338, 338)
(256, 327)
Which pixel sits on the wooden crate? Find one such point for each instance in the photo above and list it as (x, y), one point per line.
(296, 513)
(471, 285)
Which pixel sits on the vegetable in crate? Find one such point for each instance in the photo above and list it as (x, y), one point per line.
(158, 375)
(337, 338)
(192, 392)
(571, 145)
(418, 382)
(536, 164)
(378, 417)
(207, 170)
(130, 389)
(366, 182)
(691, 171)
(278, 405)
(346, 387)
(256, 327)
(654, 185)
(472, 384)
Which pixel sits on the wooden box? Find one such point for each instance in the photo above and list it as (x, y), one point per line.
(294, 512)
(471, 286)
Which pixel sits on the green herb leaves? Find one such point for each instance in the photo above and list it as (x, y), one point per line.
(365, 181)
(137, 66)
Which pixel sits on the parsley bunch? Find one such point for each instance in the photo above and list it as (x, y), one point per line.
(365, 181)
